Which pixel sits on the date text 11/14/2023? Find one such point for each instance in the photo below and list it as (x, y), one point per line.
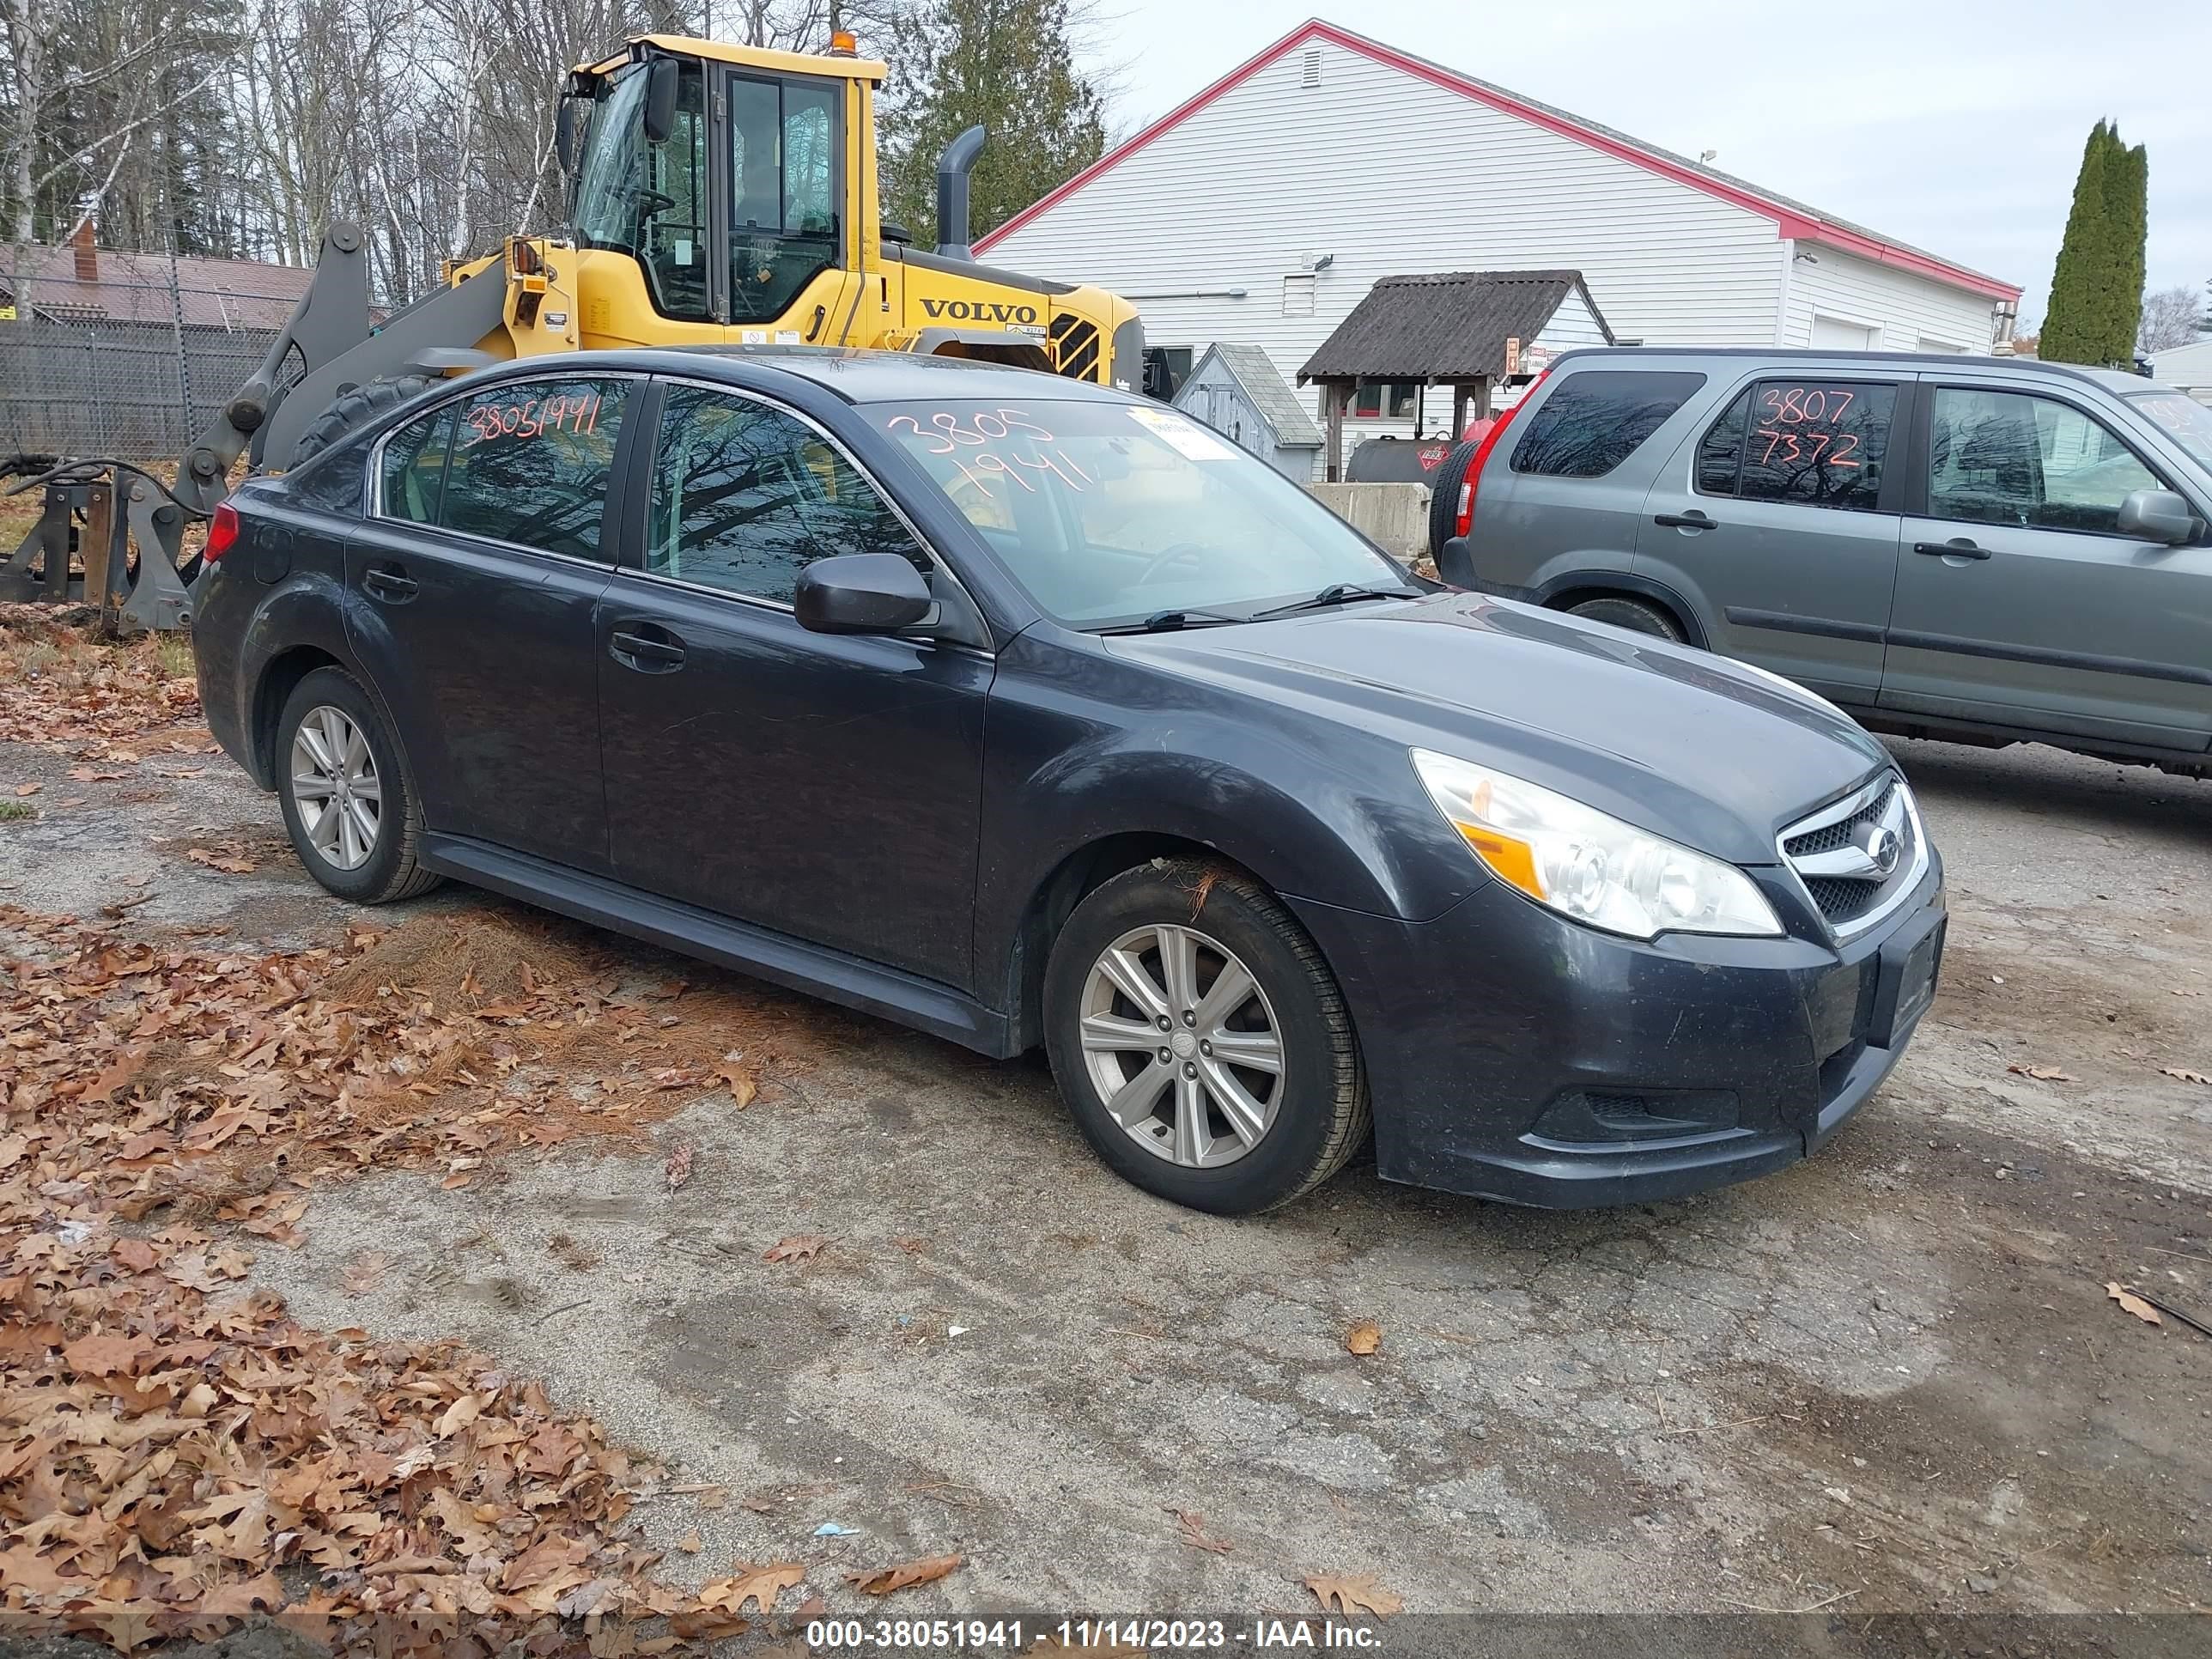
(1015, 1636)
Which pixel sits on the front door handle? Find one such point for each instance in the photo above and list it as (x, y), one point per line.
(1694, 519)
(394, 585)
(1959, 547)
(657, 652)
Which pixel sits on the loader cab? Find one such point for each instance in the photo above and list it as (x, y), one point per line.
(729, 183)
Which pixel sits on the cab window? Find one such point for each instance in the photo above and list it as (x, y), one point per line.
(784, 176)
(530, 464)
(745, 496)
(2012, 458)
(650, 200)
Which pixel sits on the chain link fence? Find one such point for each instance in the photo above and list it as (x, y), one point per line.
(128, 355)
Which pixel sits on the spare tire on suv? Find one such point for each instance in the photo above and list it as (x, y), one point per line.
(1444, 499)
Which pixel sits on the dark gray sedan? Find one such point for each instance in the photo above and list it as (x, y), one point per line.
(1030, 713)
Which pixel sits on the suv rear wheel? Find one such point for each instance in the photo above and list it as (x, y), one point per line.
(1638, 615)
(1201, 1040)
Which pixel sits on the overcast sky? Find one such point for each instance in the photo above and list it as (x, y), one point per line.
(1955, 125)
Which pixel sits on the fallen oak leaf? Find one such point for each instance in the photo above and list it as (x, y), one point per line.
(751, 1584)
(679, 1165)
(230, 864)
(364, 1273)
(2181, 1074)
(797, 1247)
(26, 789)
(1353, 1596)
(2134, 1304)
(1365, 1336)
(1193, 1536)
(736, 1079)
(2042, 1074)
(691, 1543)
(905, 1575)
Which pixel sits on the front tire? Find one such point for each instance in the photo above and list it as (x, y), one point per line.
(1201, 1041)
(349, 805)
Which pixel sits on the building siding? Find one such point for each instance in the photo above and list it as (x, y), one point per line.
(1906, 313)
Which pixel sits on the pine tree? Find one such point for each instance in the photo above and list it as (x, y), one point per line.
(1008, 64)
(2096, 289)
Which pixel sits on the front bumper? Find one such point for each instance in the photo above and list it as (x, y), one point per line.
(1513, 1054)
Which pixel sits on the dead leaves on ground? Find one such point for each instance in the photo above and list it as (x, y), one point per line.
(230, 857)
(2133, 1304)
(926, 1570)
(59, 685)
(1192, 1535)
(2181, 1074)
(1353, 1596)
(797, 1247)
(2042, 1074)
(678, 1168)
(758, 1585)
(1365, 1336)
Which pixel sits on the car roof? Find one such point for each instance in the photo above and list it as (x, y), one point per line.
(2118, 381)
(854, 375)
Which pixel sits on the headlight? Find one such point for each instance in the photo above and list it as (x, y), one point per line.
(1586, 865)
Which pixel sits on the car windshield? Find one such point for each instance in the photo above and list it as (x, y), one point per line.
(2188, 421)
(1110, 512)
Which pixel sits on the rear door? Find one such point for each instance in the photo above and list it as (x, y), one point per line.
(474, 583)
(1780, 520)
(2018, 601)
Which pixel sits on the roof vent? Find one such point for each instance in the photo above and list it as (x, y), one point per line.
(1310, 75)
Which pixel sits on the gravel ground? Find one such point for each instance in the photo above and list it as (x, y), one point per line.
(1888, 1379)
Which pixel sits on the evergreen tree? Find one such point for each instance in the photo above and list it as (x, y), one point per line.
(2096, 289)
(1008, 66)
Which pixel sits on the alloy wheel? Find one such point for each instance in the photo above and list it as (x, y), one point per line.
(336, 789)
(1182, 1045)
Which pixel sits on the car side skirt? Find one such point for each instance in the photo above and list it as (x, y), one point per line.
(776, 957)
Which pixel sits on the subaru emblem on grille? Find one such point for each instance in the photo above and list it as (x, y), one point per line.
(1882, 846)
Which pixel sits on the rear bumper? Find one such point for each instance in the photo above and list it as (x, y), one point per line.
(1514, 1056)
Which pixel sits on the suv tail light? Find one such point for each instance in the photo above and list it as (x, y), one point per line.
(223, 532)
(1463, 518)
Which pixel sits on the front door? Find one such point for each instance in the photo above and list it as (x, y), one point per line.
(1783, 513)
(476, 577)
(827, 786)
(2018, 601)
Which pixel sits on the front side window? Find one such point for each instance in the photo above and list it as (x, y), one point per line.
(1817, 443)
(415, 467)
(530, 463)
(1597, 419)
(650, 200)
(745, 496)
(783, 170)
(2007, 457)
(1110, 512)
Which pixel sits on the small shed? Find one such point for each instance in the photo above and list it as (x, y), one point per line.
(1236, 391)
(1468, 330)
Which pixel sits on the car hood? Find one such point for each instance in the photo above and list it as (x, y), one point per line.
(1689, 745)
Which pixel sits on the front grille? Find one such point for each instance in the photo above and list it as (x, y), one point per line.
(1857, 857)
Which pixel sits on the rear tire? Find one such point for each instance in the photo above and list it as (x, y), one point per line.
(352, 411)
(1278, 1057)
(1638, 616)
(1443, 503)
(357, 833)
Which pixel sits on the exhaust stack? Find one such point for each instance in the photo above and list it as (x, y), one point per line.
(952, 170)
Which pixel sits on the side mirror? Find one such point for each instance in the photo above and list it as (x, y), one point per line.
(862, 594)
(564, 135)
(660, 101)
(2156, 515)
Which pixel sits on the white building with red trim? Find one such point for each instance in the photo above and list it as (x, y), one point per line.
(1262, 210)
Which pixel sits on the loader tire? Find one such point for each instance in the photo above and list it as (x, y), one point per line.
(352, 411)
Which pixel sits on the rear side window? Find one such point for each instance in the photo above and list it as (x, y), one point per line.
(1818, 443)
(530, 461)
(1597, 419)
(415, 467)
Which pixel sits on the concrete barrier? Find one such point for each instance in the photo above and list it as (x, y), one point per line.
(1397, 515)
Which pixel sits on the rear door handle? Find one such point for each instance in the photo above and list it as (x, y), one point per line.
(1692, 519)
(394, 587)
(657, 653)
(1960, 548)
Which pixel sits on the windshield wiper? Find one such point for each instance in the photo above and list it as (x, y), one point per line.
(1166, 621)
(1336, 593)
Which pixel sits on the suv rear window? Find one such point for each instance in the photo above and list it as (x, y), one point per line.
(1595, 420)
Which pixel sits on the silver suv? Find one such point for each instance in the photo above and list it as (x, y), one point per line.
(1984, 549)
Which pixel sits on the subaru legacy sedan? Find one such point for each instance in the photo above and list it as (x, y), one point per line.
(1033, 714)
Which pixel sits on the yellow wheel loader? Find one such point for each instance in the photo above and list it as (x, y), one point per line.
(719, 195)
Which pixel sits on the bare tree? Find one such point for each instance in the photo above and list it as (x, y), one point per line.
(2172, 317)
